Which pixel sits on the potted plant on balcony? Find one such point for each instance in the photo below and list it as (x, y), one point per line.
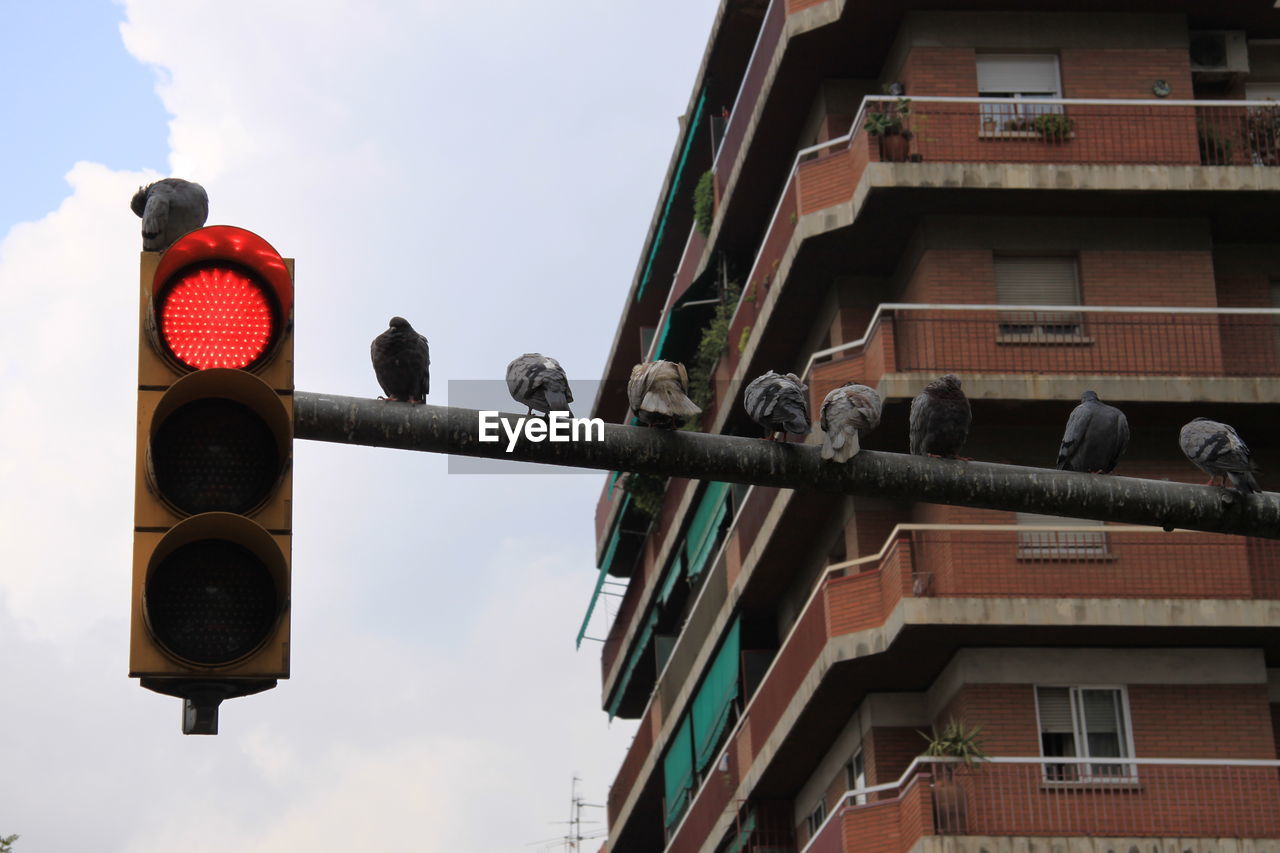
(1054, 127)
(958, 741)
(1262, 129)
(889, 126)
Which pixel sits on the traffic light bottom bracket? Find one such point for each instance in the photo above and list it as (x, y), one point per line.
(201, 698)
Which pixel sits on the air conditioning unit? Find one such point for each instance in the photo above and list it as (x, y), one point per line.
(1218, 51)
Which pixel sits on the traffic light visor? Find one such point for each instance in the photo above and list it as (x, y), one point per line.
(222, 298)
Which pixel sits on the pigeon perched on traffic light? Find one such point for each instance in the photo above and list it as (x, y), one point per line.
(1095, 436)
(658, 394)
(1216, 449)
(169, 209)
(402, 362)
(940, 418)
(846, 413)
(538, 381)
(778, 403)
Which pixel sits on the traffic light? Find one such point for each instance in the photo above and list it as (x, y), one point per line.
(213, 493)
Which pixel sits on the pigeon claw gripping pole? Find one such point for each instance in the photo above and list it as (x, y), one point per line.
(213, 496)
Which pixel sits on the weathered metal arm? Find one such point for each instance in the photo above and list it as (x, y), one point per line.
(443, 429)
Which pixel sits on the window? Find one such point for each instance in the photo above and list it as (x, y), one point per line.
(1044, 280)
(1059, 544)
(1016, 75)
(856, 777)
(1085, 722)
(814, 821)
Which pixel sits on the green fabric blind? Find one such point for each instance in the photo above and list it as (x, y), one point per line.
(744, 835)
(637, 650)
(605, 562)
(701, 536)
(671, 193)
(677, 773)
(675, 571)
(714, 699)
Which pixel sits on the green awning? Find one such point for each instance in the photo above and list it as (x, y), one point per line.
(714, 699)
(690, 133)
(637, 651)
(605, 563)
(677, 773)
(701, 539)
(744, 834)
(675, 571)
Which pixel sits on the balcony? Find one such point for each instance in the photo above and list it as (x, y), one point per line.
(1016, 797)
(1015, 351)
(1012, 562)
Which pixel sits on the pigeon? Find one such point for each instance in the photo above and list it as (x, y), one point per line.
(940, 418)
(658, 393)
(1216, 449)
(778, 403)
(1095, 437)
(402, 362)
(169, 209)
(847, 412)
(538, 381)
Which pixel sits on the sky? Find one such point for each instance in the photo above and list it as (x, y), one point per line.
(487, 171)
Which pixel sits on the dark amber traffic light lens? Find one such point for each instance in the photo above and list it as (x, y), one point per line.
(215, 454)
(211, 602)
(216, 316)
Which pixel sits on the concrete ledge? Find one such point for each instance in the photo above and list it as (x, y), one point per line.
(1047, 176)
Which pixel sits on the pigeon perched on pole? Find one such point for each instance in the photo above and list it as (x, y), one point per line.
(846, 413)
(169, 209)
(1095, 436)
(778, 403)
(402, 362)
(538, 381)
(1218, 450)
(658, 394)
(940, 418)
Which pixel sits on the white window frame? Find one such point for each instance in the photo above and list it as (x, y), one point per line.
(1017, 115)
(814, 821)
(1041, 326)
(1128, 773)
(855, 776)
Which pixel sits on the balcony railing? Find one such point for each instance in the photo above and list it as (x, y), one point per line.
(1004, 130)
(1055, 339)
(1021, 797)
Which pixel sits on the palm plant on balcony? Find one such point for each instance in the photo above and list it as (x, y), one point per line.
(955, 740)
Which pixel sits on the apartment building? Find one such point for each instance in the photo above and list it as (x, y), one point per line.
(1043, 198)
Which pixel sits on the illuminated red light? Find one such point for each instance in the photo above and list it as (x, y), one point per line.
(216, 316)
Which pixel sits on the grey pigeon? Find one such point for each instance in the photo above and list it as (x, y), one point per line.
(658, 394)
(846, 413)
(778, 403)
(402, 362)
(1216, 449)
(940, 418)
(169, 209)
(1095, 436)
(538, 381)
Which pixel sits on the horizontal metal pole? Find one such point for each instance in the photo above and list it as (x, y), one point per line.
(733, 459)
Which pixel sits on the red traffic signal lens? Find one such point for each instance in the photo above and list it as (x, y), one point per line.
(211, 602)
(216, 316)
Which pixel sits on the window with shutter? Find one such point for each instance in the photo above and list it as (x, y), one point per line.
(1019, 76)
(1044, 280)
(856, 777)
(1059, 544)
(1085, 722)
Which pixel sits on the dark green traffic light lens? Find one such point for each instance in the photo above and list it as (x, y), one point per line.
(211, 602)
(215, 455)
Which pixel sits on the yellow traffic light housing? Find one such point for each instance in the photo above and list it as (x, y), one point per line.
(213, 492)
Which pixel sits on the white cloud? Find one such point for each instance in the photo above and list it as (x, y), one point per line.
(487, 174)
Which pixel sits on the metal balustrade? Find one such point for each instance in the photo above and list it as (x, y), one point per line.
(1064, 796)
